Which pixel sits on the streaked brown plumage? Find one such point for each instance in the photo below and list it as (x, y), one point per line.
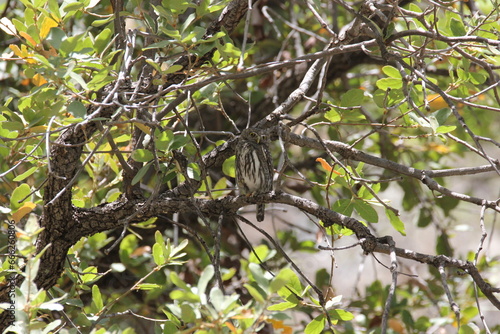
(254, 166)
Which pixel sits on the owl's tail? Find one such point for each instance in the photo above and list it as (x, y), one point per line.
(260, 212)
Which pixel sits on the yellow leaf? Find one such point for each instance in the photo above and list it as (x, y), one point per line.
(143, 127)
(47, 23)
(39, 80)
(28, 38)
(38, 129)
(23, 53)
(442, 149)
(436, 102)
(278, 324)
(16, 50)
(231, 327)
(23, 211)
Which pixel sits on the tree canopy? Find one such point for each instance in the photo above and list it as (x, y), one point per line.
(118, 128)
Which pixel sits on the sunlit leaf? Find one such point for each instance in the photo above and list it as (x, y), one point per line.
(228, 167)
(395, 221)
(47, 24)
(25, 174)
(19, 195)
(316, 326)
(7, 26)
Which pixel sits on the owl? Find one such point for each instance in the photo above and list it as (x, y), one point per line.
(254, 166)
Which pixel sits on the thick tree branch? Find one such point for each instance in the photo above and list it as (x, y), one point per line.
(425, 176)
(107, 216)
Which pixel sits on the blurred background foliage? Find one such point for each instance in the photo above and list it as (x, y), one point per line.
(59, 59)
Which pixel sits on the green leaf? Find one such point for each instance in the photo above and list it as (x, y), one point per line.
(97, 303)
(21, 193)
(395, 221)
(343, 206)
(316, 326)
(174, 252)
(288, 285)
(50, 328)
(457, 27)
(193, 171)
(282, 306)
(351, 98)
(98, 23)
(424, 217)
(470, 328)
(445, 128)
(228, 167)
(158, 256)
(140, 174)
(170, 327)
(477, 78)
(187, 313)
(255, 293)
(178, 281)
(261, 254)
(102, 40)
(77, 109)
(127, 246)
(333, 116)
(385, 99)
(148, 286)
(170, 32)
(389, 83)
(441, 115)
(443, 246)
(55, 37)
(202, 8)
(184, 295)
(205, 278)
(25, 174)
(178, 142)
(340, 314)
(391, 72)
(142, 155)
(217, 299)
(90, 275)
(173, 69)
(366, 211)
(72, 6)
(78, 79)
(259, 276)
(163, 139)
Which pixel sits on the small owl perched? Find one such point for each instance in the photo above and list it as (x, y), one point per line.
(254, 166)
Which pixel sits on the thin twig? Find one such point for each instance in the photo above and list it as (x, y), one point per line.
(454, 306)
(484, 234)
(392, 289)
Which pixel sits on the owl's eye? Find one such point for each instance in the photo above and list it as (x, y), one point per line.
(263, 137)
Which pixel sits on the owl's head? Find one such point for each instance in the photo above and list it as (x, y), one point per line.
(254, 134)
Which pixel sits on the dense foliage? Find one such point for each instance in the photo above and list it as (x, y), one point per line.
(118, 125)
